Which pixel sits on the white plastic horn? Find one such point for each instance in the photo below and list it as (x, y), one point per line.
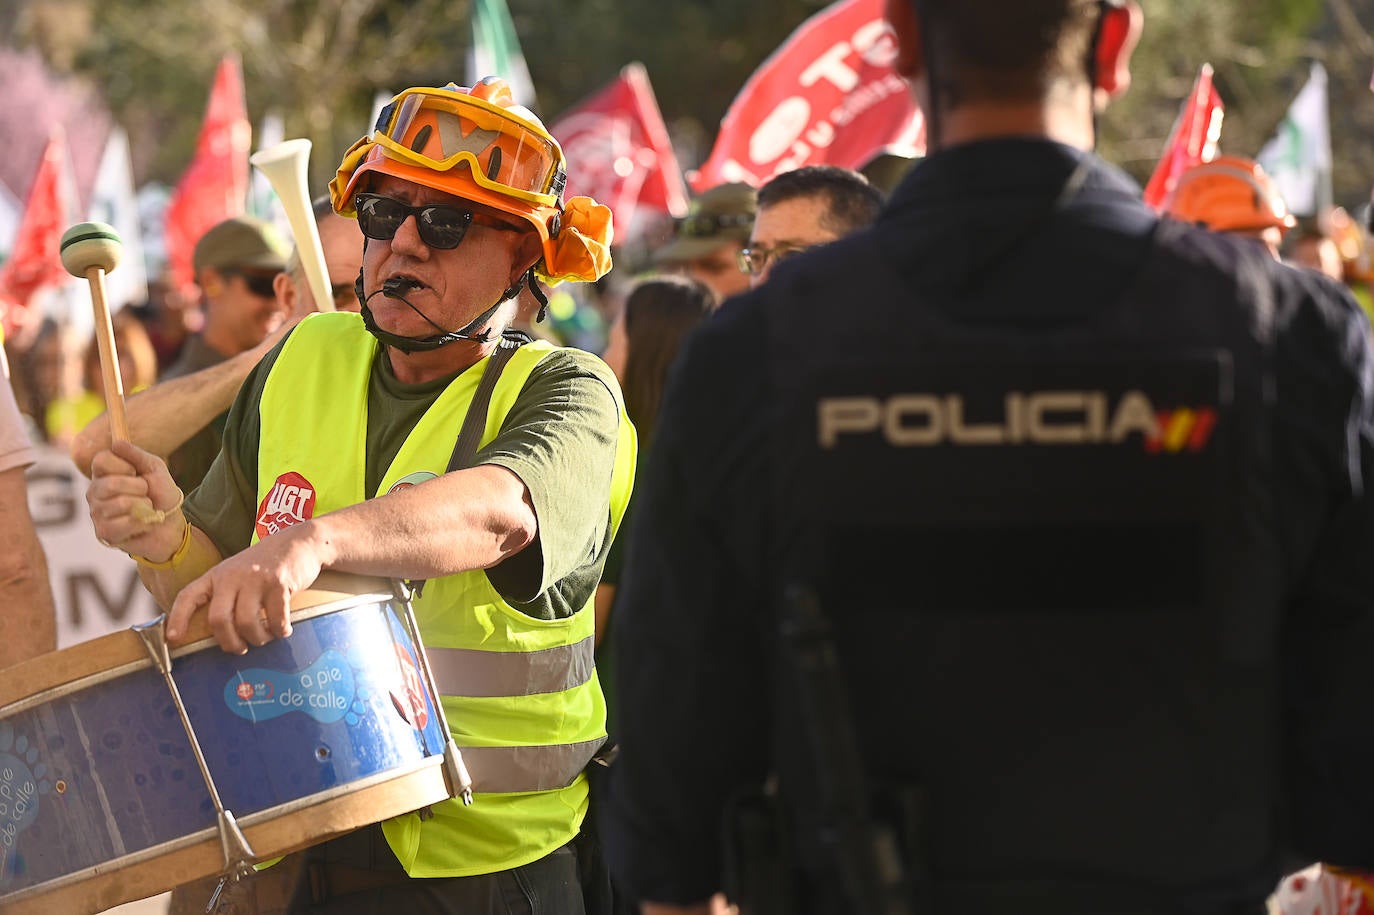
(285, 166)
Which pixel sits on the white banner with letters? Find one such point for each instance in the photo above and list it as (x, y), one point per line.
(96, 589)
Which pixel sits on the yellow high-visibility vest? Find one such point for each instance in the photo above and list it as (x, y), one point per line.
(521, 694)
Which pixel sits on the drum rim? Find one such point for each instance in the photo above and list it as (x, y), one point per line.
(247, 823)
(91, 661)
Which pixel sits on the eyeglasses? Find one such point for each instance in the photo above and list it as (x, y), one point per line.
(439, 225)
(704, 225)
(754, 261)
(259, 284)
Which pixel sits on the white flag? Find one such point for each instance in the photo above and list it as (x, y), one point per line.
(1299, 156)
(113, 202)
(263, 202)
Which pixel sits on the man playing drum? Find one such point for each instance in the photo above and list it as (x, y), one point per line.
(335, 457)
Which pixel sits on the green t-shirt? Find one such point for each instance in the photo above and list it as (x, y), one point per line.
(189, 463)
(559, 438)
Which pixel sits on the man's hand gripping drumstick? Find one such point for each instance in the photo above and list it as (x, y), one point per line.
(90, 250)
(135, 506)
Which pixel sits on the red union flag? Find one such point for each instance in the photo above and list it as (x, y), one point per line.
(618, 151)
(828, 95)
(214, 186)
(36, 261)
(1192, 141)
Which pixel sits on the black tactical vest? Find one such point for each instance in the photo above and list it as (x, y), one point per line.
(1050, 559)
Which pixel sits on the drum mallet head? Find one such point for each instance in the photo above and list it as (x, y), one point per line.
(90, 244)
(91, 250)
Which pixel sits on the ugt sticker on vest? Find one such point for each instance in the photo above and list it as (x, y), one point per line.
(291, 500)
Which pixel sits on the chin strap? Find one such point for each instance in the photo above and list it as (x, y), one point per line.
(538, 294)
(396, 289)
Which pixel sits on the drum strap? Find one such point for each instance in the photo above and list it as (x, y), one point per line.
(475, 421)
(470, 435)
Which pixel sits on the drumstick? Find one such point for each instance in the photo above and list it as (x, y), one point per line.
(92, 249)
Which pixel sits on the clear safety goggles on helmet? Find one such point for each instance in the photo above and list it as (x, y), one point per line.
(440, 128)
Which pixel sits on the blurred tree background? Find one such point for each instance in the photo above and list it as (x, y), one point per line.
(320, 62)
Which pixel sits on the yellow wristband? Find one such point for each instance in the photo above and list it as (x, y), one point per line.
(149, 515)
(177, 555)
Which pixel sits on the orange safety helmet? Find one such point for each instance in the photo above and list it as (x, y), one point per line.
(1229, 194)
(478, 144)
(1353, 242)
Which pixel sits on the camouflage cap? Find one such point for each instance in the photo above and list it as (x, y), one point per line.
(723, 214)
(243, 243)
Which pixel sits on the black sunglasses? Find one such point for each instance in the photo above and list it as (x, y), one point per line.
(439, 225)
(259, 284)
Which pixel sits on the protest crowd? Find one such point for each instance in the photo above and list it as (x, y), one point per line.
(903, 511)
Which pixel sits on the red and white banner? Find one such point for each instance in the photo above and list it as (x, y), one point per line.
(619, 153)
(1192, 141)
(35, 263)
(214, 186)
(828, 95)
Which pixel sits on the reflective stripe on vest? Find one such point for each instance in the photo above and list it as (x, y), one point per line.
(488, 674)
(506, 770)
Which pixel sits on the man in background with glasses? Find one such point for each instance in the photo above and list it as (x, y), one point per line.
(803, 208)
(707, 241)
(343, 451)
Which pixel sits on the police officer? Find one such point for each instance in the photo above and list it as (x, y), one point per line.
(1083, 497)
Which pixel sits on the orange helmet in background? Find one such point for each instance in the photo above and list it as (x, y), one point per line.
(1229, 194)
(478, 144)
(1353, 242)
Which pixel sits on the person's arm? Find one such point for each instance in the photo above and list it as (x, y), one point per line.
(1325, 451)
(28, 621)
(216, 519)
(469, 519)
(164, 417)
(605, 599)
(610, 576)
(518, 498)
(690, 661)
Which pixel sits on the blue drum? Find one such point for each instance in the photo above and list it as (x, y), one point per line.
(103, 798)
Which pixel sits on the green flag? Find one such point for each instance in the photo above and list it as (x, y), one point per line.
(1299, 155)
(495, 50)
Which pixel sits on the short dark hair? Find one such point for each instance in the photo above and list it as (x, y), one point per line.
(1007, 49)
(850, 201)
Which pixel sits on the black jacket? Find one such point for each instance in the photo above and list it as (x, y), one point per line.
(1084, 494)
